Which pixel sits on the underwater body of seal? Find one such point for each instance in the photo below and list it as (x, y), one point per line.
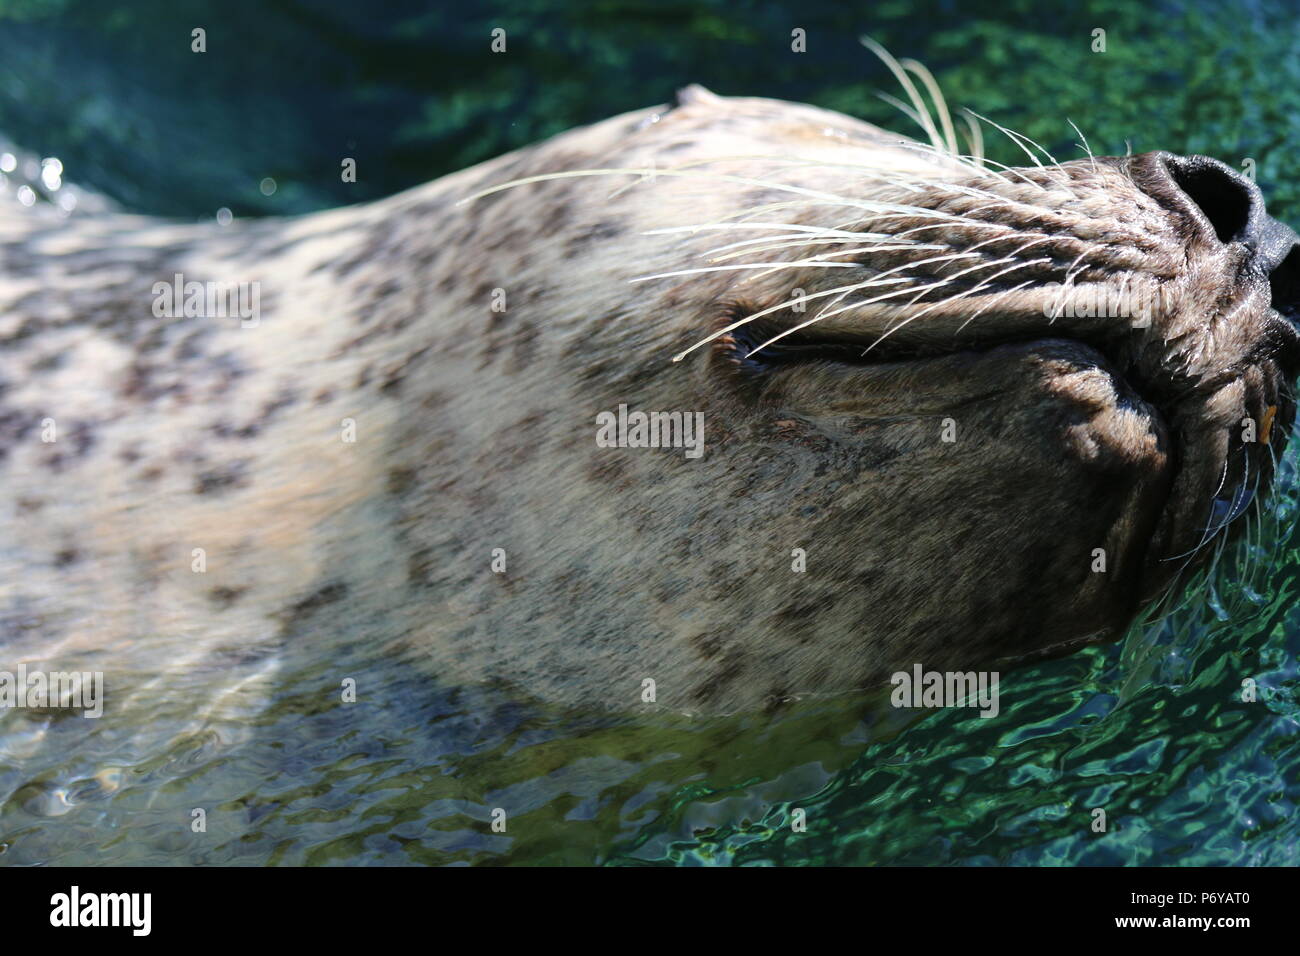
(886, 331)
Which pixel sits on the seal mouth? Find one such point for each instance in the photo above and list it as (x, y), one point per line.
(1215, 365)
(1216, 476)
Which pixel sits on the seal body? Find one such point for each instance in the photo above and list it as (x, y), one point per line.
(402, 452)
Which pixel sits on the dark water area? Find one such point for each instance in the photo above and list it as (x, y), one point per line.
(413, 91)
(1153, 729)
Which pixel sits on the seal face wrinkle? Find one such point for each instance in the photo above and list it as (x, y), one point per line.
(926, 413)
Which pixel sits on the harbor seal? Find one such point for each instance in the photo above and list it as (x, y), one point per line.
(449, 424)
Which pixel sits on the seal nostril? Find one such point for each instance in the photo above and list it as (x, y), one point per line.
(1227, 199)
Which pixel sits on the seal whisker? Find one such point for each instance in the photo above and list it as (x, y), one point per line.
(937, 98)
(1016, 170)
(996, 299)
(832, 303)
(1253, 547)
(1071, 273)
(861, 250)
(1020, 140)
(975, 137)
(1034, 239)
(900, 178)
(1210, 529)
(810, 235)
(880, 277)
(903, 178)
(852, 305)
(971, 163)
(839, 253)
(842, 290)
(1287, 485)
(878, 208)
(700, 227)
(877, 280)
(1092, 160)
(802, 325)
(907, 111)
(1212, 568)
(922, 115)
(1002, 227)
(950, 299)
(744, 216)
(897, 210)
(795, 264)
(984, 265)
(649, 173)
(794, 240)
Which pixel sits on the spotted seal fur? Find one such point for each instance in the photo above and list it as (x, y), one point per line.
(911, 454)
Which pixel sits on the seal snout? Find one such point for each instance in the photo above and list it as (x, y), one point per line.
(1226, 223)
(1234, 208)
(1228, 203)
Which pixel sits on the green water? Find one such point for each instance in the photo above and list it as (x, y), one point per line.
(1153, 730)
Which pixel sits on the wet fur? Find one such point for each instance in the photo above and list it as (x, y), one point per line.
(476, 431)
